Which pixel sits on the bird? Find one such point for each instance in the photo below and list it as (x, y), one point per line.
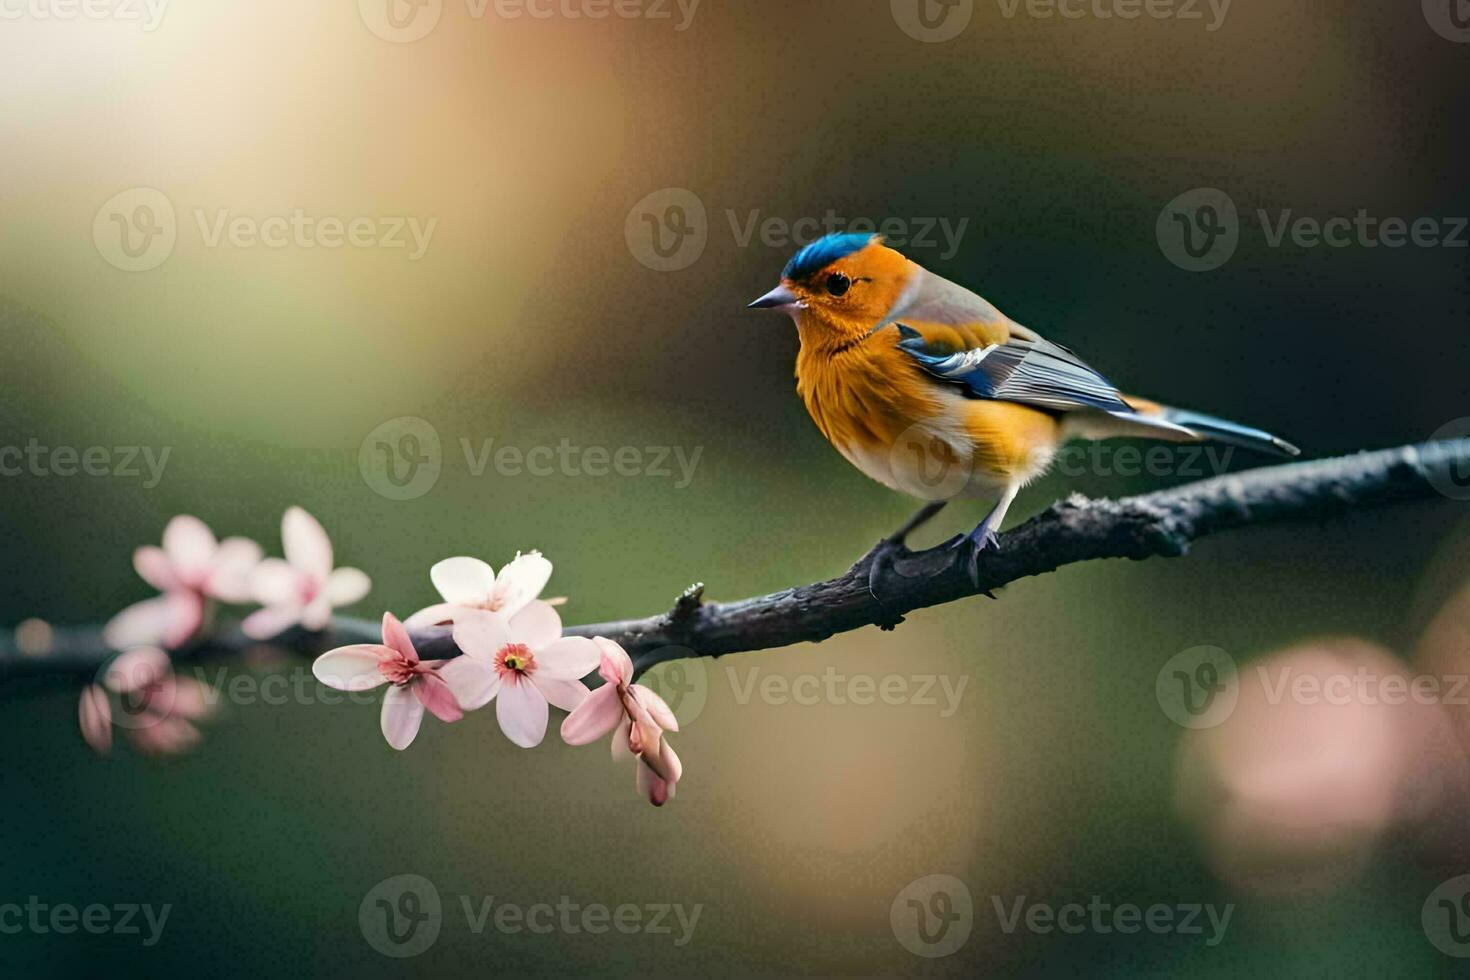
(930, 390)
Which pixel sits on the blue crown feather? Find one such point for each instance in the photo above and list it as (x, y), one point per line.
(823, 252)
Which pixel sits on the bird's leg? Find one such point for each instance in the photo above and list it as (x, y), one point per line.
(984, 535)
(883, 553)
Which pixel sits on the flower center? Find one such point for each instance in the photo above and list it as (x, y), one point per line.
(397, 670)
(515, 658)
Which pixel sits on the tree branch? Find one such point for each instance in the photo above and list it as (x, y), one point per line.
(1077, 529)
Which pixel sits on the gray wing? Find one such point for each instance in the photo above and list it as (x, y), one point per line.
(934, 299)
(1032, 372)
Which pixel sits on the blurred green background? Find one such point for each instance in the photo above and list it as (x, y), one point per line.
(533, 317)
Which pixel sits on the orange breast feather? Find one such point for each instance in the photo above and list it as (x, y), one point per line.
(864, 397)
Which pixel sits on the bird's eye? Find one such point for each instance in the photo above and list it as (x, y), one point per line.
(837, 284)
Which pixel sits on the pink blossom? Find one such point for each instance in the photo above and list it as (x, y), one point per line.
(638, 719)
(191, 568)
(446, 688)
(305, 587)
(532, 665)
(157, 708)
(469, 584)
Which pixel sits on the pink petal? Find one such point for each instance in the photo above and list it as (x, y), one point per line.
(463, 581)
(96, 719)
(306, 544)
(143, 623)
(435, 615)
(402, 715)
(190, 545)
(565, 695)
(168, 619)
(186, 615)
(652, 786)
(663, 763)
(169, 736)
(234, 563)
(671, 765)
(317, 615)
(346, 586)
(620, 748)
(568, 659)
(598, 714)
(473, 681)
(617, 666)
(153, 567)
(522, 712)
(397, 638)
(270, 621)
(481, 634)
(644, 736)
(275, 583)
(521, 581)
(351, 668)
(536, 625)
(657, 707)
(430, 688)
(191, 699)
(136, 669)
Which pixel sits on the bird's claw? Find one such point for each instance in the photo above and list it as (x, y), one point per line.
(971, 546)
(880, 559)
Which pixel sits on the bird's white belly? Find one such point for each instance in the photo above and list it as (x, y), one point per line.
(930, 460)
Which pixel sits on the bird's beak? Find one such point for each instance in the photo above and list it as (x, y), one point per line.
(776, 299)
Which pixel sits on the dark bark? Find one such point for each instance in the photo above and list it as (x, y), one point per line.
(1077, 529)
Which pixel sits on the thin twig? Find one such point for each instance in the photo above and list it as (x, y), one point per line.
(1077, 529)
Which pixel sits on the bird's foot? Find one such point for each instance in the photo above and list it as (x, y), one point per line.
(971, 546)
(880, 560)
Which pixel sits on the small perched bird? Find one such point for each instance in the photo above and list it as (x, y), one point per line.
(931, 391)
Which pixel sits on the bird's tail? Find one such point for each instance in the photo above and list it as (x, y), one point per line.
(1150, 419)
(1230, 433)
